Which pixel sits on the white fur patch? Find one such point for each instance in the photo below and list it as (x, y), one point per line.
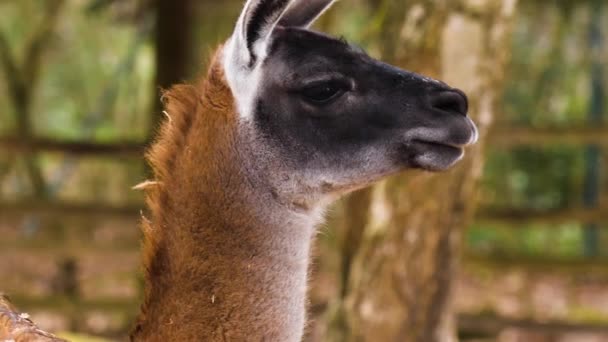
(243, 77)
(243, 81)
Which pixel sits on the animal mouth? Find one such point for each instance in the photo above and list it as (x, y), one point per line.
(439, 151)
(432, 155)
(451, 143)
(436, 149)
(448, 145)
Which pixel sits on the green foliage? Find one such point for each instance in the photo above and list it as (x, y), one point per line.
(559, 242)
(549, 178)
(96, 76)
(549, 85)
(549, 73)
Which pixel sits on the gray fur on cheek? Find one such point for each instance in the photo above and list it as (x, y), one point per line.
(310, 185)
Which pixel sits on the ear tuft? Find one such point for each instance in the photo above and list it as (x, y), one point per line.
(255, 26)
(263, 19)
(247, 47)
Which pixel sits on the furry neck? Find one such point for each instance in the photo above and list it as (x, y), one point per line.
(224, 259)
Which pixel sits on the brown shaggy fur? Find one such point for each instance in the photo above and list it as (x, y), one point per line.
(221, 262)
(206, 110)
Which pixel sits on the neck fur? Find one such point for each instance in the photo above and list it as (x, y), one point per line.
(224, 259)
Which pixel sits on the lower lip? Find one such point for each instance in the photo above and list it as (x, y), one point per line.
(434, 143)
(432, 156)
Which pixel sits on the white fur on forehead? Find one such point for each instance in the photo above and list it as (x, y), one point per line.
(244, 82)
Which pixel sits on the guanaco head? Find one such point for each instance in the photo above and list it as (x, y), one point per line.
(326, 117)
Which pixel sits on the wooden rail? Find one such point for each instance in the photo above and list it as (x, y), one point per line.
(11, 210)
(508, 136)
(488, 324)
(492, 325)
(538, 264)
(77, 148)
(67, 305)
(511, 136)
(515, 217)
(520, 217)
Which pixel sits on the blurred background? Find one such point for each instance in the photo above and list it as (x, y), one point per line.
(509, 246)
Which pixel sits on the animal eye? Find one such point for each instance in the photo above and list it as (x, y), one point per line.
(323, 93)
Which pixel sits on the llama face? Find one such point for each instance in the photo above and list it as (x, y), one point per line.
(328, 100)
(334, 118)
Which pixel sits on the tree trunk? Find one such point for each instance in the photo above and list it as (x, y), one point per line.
(186, 32)
(398, 266)
(174, 47)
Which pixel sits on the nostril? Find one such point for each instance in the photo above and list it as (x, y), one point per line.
(453, 101)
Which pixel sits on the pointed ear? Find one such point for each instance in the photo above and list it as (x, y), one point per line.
(303, 13)
(253, 29)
